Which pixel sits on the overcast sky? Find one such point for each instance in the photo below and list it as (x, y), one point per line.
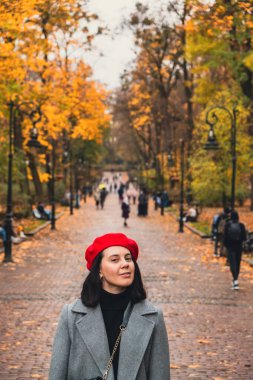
(117, 49)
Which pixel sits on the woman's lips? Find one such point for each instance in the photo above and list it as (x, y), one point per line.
(127, 274)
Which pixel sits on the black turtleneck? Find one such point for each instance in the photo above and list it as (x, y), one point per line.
(113, 307)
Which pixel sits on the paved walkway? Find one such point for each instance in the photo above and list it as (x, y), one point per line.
(210, 326)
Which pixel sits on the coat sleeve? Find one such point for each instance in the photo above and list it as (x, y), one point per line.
(61, 348)
(225, 236)
(159, 364)
(244, 233)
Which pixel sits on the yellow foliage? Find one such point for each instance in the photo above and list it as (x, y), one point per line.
(248, 61)
(44, 177)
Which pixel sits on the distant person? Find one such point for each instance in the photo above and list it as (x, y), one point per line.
(3, 234)
(103, 194)
(191, 215)
(21, 231)
(218, 228)
(78, 197)
(45, 214)
(129, 194)
(142, 204)
(125, 210)
(16, 236)
(121, 193)
(234, 236)
(84, 193)
(134, 195)
(96, 196)
(157, 199)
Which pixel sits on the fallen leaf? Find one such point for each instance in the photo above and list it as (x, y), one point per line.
(174, 366)
(204, 341)
(194, 366)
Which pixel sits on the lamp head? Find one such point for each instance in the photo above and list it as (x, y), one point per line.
(33, 142)
(212, 143)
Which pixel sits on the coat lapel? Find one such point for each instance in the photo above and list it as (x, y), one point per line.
(134, 340)
(92, 330)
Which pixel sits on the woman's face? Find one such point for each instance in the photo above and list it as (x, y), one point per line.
(116, 269)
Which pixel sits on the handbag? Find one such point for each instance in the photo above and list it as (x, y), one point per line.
(122, 328)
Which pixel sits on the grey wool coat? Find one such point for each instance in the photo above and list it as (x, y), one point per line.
(81, 349)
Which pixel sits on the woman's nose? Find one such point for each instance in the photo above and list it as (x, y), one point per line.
(125, 263)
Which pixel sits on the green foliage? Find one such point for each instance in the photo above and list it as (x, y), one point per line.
(21, 201)
(203, 227)
(211, 172)
(59, 191)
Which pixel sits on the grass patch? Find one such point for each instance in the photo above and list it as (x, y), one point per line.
(203, 227)
(172, 209)
(31, 224)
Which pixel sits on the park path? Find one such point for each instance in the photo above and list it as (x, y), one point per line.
(210, 326)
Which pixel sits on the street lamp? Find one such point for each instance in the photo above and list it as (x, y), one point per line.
(67, 157)
(171, 163)
(212, 144)
(71, 208)
(162, 180)
(32, 143)
(53, 187)
(181, 214)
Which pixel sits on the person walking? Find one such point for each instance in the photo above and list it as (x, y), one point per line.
(112, 317)
(103, 194)
(142, 204)
(121, 193)
(125, 207)
(3, 235)
(97, 198)
(234, 236)
(218, 228)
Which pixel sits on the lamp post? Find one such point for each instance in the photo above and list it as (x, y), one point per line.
(53, 187)
(67, 158)
(212, 144)
(71, 208)
(181, 213)
(32, 143)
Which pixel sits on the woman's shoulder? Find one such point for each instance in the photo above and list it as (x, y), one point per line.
(144, 307)
(76, 307)
(147, 307)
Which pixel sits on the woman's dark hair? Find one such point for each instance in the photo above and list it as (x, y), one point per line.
(90, 294)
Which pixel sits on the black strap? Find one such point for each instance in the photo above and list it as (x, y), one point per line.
(127, 314)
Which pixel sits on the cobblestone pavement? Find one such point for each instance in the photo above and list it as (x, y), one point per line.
(209, 325)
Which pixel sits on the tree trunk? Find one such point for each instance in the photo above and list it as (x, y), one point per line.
(49, 183)
(251, 193)
(18, 144)
(35, 175)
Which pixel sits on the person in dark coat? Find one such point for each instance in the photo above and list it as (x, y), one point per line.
(125, 210)
(89, 327)
(234, 236)
(142, 204)
(103, 194)
(45, 214)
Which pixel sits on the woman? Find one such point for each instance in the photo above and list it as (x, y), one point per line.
(89, 327)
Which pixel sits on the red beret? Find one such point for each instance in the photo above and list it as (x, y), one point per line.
(109, 240)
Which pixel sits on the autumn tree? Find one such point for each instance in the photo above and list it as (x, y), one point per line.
(42, 76)
(153, 84)
(219, 45)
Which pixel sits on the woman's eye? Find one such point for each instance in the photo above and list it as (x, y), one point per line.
(129, 258)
